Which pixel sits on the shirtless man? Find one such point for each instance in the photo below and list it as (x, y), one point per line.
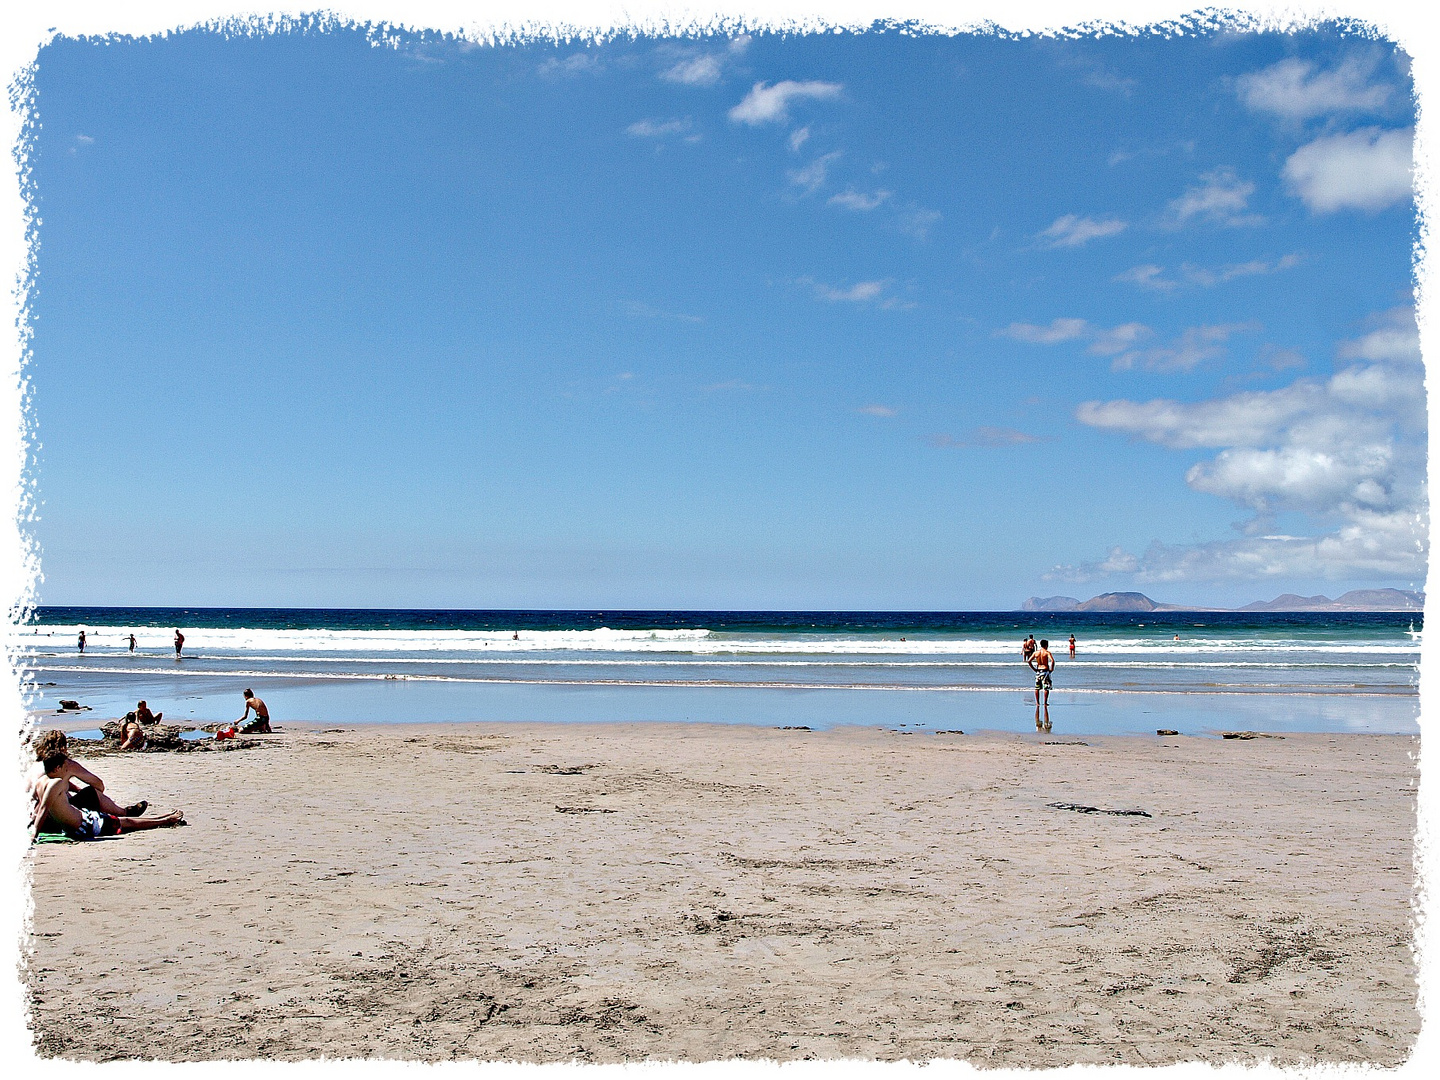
(1042, 663)
(1027, 648)
(86, 791)
(132, 643)
(179, 643)
(53, 808)
(261, 724)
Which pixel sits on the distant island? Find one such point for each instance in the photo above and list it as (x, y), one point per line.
(1354, 600)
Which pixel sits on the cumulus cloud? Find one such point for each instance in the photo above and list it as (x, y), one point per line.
(1366, 170)
(1221, 198)
(771, 104)
(1073, 231)
(1295, 90)
(1347, 451)
(813, 176)
(850, 199)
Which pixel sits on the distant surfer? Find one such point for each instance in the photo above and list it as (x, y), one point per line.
(1042, 663)
(261, 724)
(82, 641)
(179, 643)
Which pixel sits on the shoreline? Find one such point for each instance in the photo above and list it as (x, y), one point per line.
(649, 891)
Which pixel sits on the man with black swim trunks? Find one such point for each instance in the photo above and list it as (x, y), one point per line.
(54, 811)
(261, 724)
(1042, 663)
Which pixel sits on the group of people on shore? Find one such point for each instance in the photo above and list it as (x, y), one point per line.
(82, 640)
(68, 799)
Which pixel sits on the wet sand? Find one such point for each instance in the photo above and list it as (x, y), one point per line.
(629, 892)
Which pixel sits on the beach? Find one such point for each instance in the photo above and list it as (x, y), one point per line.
(626, 892)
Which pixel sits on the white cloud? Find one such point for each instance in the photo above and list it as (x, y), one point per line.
(1150, 276)
(851, 199)
(1348, 451)
(1294, 90)
(1118, 339)
(1059, 330)
(879, 410)
(696, 71)
(862, 292)
(658, 129)
(1367, 170)
(579, 63)
(1194, 346)
(1222, 199)
(993, 438)
(798, 138)
(771, 104)
(917, 221)
(813, 176)
(1073, 231)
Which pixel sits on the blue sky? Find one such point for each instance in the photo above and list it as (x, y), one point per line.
(839, 321)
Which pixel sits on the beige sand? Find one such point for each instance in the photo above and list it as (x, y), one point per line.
(544, 892)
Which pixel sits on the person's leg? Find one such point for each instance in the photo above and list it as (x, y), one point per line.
(131, 824)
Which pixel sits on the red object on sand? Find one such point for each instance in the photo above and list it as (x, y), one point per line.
(225, 733)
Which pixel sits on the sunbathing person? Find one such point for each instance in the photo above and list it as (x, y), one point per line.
(86, 791)
(55, 813)
(132, 735)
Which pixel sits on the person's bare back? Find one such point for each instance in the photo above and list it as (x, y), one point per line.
(261, 724)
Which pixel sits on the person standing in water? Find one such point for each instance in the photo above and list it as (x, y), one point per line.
(82, 641)
(132, 643)
(179, 643)
(1027, 648)
(1042, 663)
(1072, 646)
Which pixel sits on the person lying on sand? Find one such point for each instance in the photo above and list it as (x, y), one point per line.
(54, 811)
(132, 735)
(85, 790)
(261, 724)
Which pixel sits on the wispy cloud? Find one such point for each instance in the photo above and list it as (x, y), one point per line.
(850, 199)
(1059, 330)
(885, 411)
(862, 292)
(729, 386)
(690, 67)
(798, 138)
(917, 221)
(580, 63)
(1221, 198)
(993, 438)
(638, 309)
(771, 104)
(1073, 231)
(659, 129)
(1366, 170)
(1151, 276)
(1297, 90)
(813, 176)
(1194, 346)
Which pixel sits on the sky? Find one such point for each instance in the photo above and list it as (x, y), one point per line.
(839, 321)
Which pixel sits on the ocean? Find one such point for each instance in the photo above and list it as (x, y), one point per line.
(1196, 672)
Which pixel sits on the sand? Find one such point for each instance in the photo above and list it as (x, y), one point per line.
(608, 893)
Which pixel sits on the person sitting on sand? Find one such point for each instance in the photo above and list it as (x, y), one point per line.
(1042, 663)
(55, 812)
(86, 790)
(145, 716)
(261, 724)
